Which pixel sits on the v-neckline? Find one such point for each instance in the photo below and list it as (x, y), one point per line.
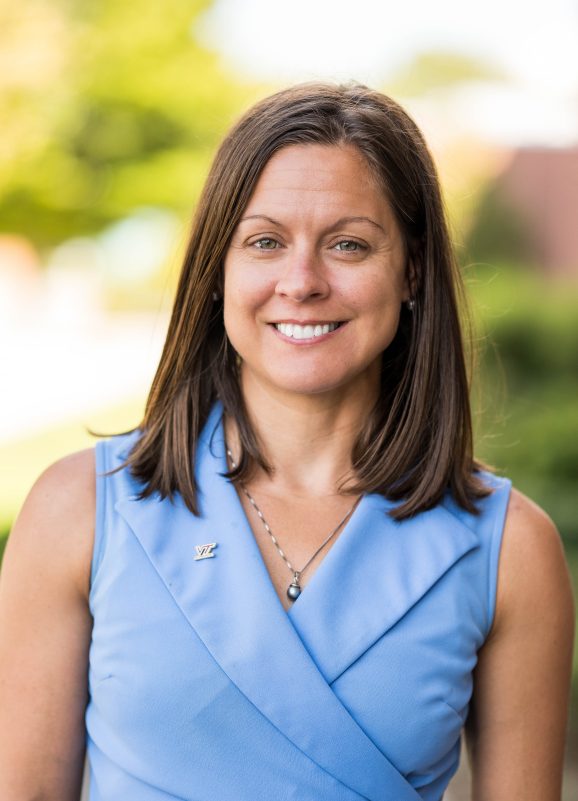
(321, 568)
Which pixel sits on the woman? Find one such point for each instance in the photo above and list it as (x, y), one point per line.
(284, 583)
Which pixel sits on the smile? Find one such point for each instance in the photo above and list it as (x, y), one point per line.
(309, 331)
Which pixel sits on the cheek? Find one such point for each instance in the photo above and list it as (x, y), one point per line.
(377, 297)
(244, 296)
(245, 288)
(241, 305)
(378, 306)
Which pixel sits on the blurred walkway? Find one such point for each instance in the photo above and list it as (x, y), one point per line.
(53, 371)
(62, 355)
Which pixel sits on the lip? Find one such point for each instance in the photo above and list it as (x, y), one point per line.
(311, 340)
(307, 322)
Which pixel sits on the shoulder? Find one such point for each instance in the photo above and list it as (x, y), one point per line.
(65, 491)
(529, 529)
(75, 471)
(54, 529)
(533, 575)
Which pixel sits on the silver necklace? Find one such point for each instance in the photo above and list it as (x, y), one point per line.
(294, 589)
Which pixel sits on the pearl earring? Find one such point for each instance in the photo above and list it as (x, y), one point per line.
(410, 304)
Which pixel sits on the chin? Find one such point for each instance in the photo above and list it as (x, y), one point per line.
(313, 385)
(329, 376)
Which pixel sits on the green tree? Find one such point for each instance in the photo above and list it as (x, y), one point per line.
(432, 70)
(110, 106)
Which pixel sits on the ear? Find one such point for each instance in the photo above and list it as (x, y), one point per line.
(410, 280)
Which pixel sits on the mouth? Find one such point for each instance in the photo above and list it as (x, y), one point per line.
(308, 331)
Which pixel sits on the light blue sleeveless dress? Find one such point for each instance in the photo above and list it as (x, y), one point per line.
(203, 688)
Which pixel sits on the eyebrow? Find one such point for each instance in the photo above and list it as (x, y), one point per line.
(335, 225)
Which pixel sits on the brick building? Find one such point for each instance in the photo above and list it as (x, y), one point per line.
(540, 185)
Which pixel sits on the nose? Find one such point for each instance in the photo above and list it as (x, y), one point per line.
(302, 279)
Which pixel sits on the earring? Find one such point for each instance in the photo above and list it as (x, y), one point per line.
(215, 296)
(410, 304)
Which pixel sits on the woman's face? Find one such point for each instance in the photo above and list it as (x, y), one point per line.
(315, 274)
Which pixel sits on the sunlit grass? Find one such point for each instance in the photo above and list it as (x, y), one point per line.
(23, 460)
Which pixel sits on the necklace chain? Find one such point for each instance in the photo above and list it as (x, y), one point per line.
(294, 590)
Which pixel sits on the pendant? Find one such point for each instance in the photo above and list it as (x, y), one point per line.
(294, 590)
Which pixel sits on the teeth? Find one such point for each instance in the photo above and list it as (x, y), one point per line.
(305, 331)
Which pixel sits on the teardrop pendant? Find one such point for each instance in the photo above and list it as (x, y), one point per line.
(294, 590)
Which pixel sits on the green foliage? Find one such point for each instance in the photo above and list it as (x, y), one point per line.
(527, 386)
(498, 231)
(431, 70)
(136, 105)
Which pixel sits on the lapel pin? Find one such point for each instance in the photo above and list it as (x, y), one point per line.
(205, 551)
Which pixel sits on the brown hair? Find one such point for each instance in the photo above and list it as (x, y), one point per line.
(417, 442)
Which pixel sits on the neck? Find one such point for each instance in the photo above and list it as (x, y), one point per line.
(307, 439)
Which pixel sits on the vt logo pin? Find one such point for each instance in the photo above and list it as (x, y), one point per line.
(205, 551)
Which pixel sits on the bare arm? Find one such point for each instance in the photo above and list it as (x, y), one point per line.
(516, 730)
(45, 628)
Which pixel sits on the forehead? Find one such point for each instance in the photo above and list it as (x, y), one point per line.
(318, 161)
(312, 174)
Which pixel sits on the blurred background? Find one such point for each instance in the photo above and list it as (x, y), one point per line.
(111, 113)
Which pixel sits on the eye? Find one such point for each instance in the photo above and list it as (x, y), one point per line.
(266, 243)
(349, 246)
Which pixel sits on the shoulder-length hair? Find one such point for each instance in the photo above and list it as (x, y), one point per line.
(416, 443)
